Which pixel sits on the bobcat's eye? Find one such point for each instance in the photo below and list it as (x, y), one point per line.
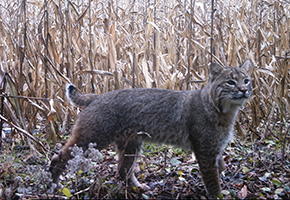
(246, 81)
(231, 83)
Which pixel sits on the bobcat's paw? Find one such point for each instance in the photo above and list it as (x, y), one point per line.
(144, 187)
(136, 183)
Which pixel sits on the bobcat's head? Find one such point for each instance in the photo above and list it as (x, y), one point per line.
(230, 86)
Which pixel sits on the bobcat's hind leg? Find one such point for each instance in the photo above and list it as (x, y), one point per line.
(59, 161)
(127, 155)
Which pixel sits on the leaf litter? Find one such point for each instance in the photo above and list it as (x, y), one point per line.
(253, 170)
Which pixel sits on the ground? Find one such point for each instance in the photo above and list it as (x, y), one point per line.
(253, 171)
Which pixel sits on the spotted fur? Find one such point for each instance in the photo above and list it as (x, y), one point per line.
(201, 121)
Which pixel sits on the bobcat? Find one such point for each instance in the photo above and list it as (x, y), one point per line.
(201, 121)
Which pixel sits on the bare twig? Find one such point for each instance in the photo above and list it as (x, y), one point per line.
(27, 134)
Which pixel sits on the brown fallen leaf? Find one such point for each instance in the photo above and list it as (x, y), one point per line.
(243, 193)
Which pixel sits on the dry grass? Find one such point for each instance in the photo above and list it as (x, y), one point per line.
(107, 45)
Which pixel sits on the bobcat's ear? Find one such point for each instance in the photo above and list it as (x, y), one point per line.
(246, 65)
(214, 69)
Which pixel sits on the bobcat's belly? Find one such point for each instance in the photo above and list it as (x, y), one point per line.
(178, 139)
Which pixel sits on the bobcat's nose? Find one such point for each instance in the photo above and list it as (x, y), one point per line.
(243, 89)
(244, 92)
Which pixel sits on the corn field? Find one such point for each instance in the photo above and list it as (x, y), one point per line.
(108, 45)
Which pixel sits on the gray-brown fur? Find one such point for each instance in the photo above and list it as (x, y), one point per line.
(201, 121)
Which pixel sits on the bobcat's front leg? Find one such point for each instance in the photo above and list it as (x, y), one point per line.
(209, 167)
(221, 164)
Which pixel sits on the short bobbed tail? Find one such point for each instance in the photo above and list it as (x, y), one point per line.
(78, 99)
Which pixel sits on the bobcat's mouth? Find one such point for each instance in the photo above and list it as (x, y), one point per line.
(240, 98)
(242, 95)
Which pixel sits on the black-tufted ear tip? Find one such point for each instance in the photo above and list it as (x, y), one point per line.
(70, 88)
